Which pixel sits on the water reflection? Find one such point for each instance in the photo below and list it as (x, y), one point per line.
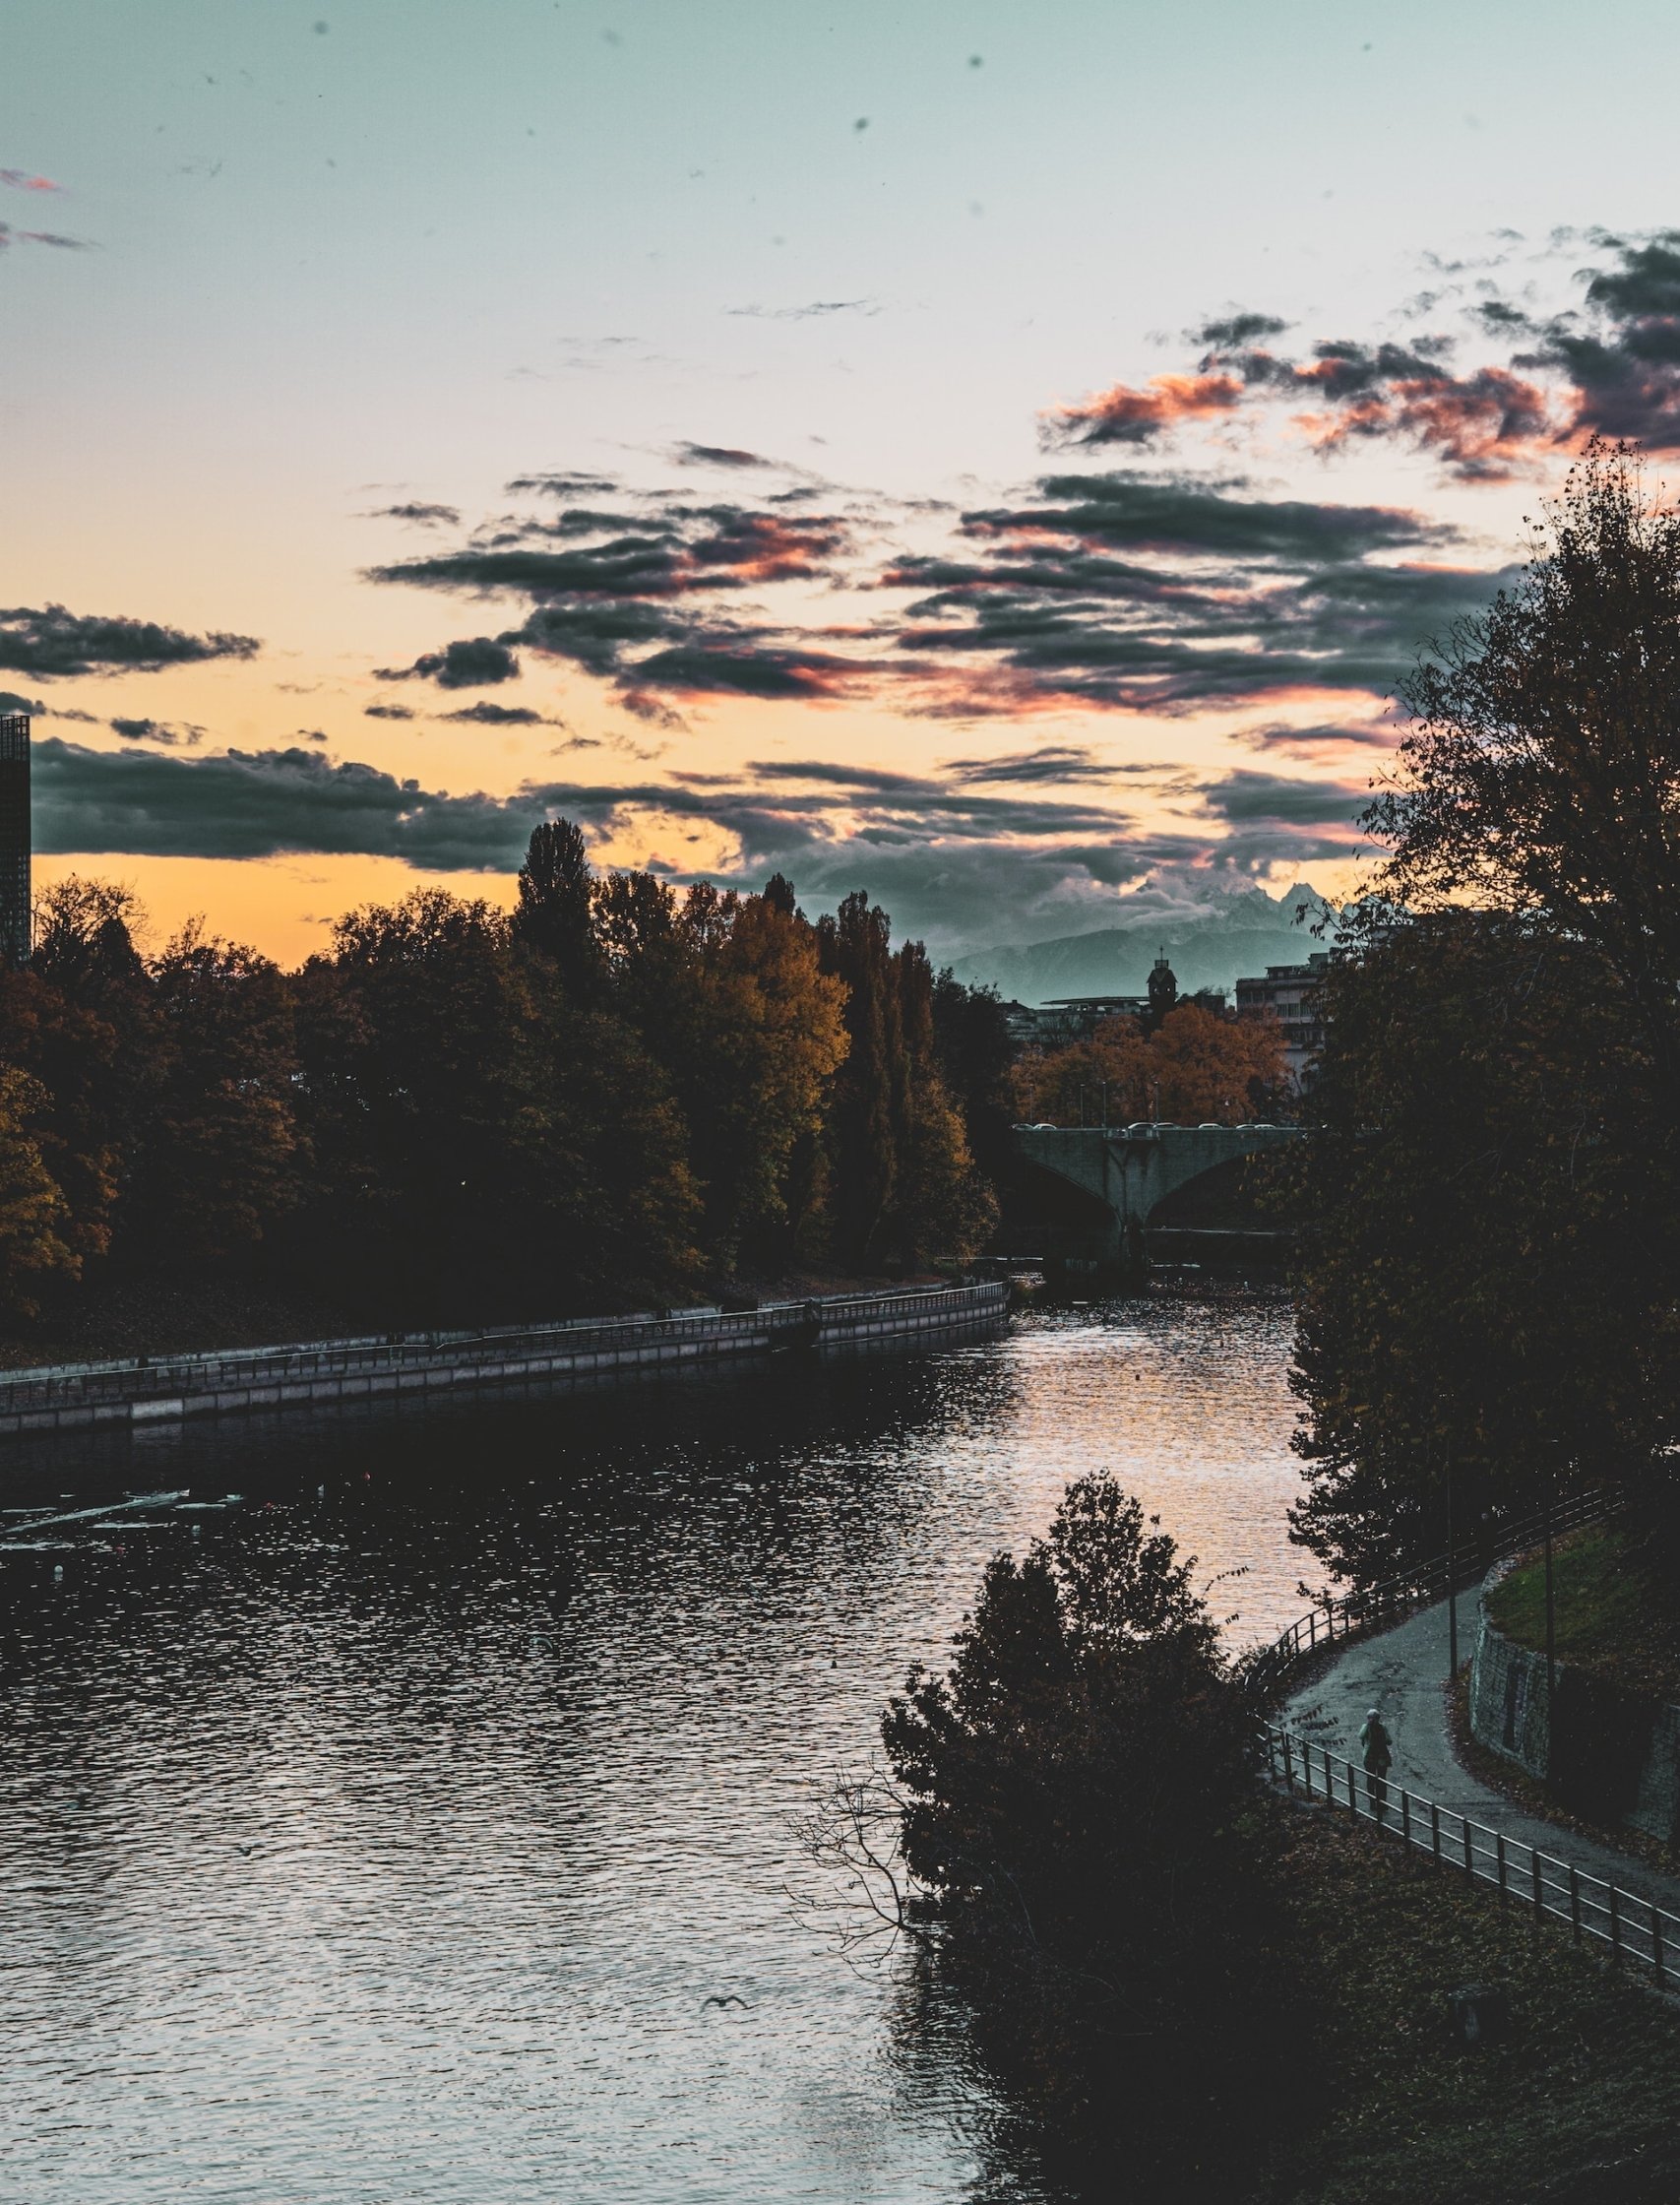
(398, 1835)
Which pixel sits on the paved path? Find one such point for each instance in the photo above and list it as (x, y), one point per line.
(1402, 1671)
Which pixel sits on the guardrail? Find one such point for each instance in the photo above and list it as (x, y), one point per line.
(143, 1387)
(1597, 1912)
(1378, 1607)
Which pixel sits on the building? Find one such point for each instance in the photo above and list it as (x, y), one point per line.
(15, 837)
(1291, 992)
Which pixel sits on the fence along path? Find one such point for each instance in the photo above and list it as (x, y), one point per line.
(1633, 1928)
(1598, 1912)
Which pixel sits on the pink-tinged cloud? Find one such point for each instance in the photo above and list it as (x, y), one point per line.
(20, 179)
(1485, 427)
(1123, 414)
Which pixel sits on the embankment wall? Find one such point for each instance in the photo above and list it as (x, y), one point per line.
(1611, 1754)
(152, 1390)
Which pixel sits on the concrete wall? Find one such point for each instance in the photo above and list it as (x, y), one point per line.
(1611, 1755)
(167, 1389)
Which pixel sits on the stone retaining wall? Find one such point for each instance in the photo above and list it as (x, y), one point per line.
(164, 1389)
(1612, 1755)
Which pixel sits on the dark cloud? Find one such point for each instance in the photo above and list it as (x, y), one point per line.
(1243, 797)
(717, 455)
(1240, 327)
(156, 731)
(483, 713)
(474, 662)
(387, 712)
(1304, 742)
(1242, 598)
(420, 514)
(48, 641)
(263, 803)
(10, 701)
(563, 484)
(1050, 762)
(717, 670)
(1620, 352)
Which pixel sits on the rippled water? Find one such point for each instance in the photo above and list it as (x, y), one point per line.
(388, 1841)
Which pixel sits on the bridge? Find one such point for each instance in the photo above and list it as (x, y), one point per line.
(1125, 1177)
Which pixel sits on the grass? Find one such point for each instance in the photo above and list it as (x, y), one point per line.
(1580, 2105)
(1614, 1615)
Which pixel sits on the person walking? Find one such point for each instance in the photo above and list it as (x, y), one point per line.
(1378, 1750)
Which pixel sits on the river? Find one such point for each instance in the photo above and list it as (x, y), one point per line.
(388, 1840)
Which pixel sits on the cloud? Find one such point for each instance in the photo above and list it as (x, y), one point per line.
(266, 803)
(20, 179)
(1304, 742)
(1243, 797)
(1620, 351)
(1238, 328)
(487, 715)
(10, 701)
(9, 236)
(156, 731)
(816, 308)
(1050, 762)
(387, 712)
(474, 662)
(48, 642)
(1122, 415)
(563, 484)
(420, 514)
(715, 455)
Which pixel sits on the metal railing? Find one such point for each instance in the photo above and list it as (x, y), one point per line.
(1599, 1912)
(166, 1376)
(1378, 1607)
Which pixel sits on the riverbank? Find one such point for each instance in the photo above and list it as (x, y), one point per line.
(1579, 2104)
(152, 1390)
(121, 1318)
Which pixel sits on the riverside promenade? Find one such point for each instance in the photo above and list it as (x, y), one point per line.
(1402, 1671)
(168, 1388)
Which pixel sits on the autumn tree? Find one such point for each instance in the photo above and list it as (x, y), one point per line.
(1195, 1067)
(35, 1218)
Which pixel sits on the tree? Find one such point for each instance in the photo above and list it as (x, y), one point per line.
(219, 1157)
(35, 1218)
(1541, 775)
(1194, 1067)
(554, 912)
(1485, 1268)
(1077, 1797)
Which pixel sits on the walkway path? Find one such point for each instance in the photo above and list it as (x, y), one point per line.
(1402, 1671)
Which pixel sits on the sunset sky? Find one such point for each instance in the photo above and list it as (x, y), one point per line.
(997, 457)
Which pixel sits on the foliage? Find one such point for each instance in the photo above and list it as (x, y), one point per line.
(1195, 1068)
(33, 1213)
(1488, 1270)
(610, 1096)
(1486, 1267)
(1078, 1799)
(1542, 773)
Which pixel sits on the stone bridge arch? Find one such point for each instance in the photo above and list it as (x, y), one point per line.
(1111, 1181)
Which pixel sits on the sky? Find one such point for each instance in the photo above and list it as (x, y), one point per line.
(1002, 459)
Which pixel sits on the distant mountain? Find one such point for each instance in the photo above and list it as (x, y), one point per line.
(1208, 944)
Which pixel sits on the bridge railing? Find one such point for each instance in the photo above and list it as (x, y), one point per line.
(1599, 1912)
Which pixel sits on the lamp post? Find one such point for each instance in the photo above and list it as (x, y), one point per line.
(1452, 1583)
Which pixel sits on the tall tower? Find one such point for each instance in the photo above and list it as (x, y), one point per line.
(15, 837)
